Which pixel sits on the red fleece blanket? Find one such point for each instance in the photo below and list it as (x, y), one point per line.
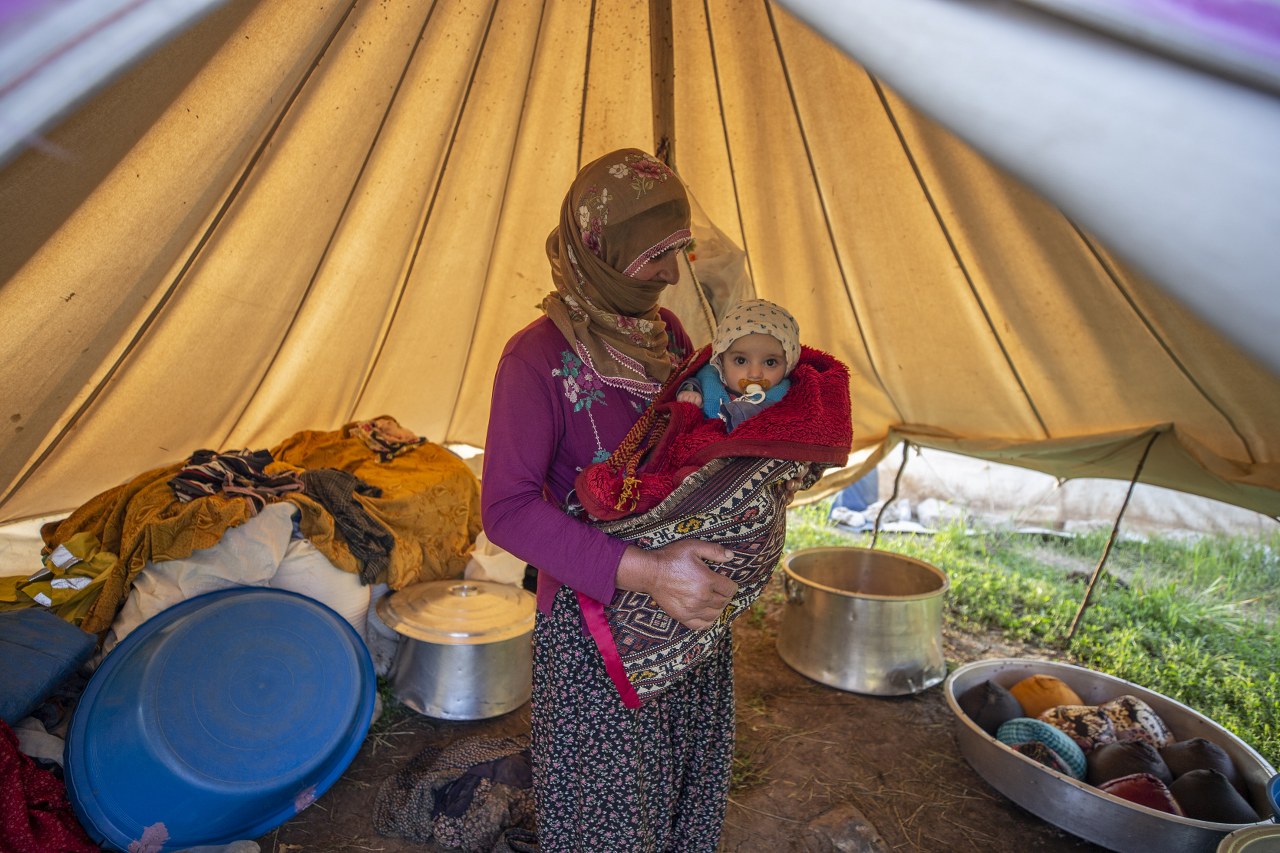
(813, 422)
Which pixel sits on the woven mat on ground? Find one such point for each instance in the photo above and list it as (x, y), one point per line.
(463, 796)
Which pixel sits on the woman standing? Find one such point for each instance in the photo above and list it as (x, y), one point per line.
(567, 389)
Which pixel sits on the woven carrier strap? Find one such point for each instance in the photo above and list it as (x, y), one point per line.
(640, 439)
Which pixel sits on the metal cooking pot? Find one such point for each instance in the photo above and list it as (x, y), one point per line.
(467, 652)
(862, 620)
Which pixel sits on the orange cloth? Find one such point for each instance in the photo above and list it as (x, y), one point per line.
(430, 502)
(142, 520)
(1038, 693)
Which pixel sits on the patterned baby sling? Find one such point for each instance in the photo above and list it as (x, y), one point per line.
(678, 475)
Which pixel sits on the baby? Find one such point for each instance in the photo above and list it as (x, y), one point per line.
(755, 362)
(756, 347)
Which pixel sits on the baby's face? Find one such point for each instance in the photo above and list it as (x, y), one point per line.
(753, 359)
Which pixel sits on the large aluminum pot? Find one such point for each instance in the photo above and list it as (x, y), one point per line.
(467, 652)
(862, 620)
(1080, 808)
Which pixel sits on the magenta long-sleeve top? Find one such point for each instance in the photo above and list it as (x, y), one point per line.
(551, 416)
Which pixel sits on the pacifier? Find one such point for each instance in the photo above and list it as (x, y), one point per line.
(753, 386)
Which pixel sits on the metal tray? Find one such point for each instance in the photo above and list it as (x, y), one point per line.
(1082, 809)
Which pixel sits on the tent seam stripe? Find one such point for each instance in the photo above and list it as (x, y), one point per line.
(1159, 339)
(484, 286)
(346, 206)
(955, 253)
(724, 129)
(152, 317)
(426, 219)
(822, 201)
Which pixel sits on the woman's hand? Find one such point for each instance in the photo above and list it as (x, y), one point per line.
(677, 578)
(792, 486)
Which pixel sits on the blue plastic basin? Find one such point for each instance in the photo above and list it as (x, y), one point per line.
(218, 720)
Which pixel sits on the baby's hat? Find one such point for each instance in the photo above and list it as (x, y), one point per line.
(757, 316)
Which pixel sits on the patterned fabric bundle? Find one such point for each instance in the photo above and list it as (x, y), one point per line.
(1042, 754)
(237, 472)
(738, 503)
(1135, 720)
(697, 482)
(385, 437)
(1088, 726)
(1026, 730)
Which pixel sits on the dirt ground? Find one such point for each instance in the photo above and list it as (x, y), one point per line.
(808, 756)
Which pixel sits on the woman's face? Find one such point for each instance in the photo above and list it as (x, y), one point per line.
(753, 359)
(663, 268)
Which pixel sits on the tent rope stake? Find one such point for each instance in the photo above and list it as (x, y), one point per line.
(1115, 531)
(897, 481)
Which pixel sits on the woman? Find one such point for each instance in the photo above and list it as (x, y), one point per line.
(567, 389)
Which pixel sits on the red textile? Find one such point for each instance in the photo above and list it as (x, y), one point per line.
(813, 422)
(35, 816)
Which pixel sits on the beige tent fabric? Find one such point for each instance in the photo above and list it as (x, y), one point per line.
(290, 217)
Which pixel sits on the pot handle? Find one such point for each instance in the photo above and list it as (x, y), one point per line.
(794, 591)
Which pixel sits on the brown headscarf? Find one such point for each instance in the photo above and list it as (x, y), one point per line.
(620, 212)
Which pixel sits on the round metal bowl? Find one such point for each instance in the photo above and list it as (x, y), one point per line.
(1082, 809)
(863, 620)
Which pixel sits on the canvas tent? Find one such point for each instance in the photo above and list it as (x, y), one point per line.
(289, 215)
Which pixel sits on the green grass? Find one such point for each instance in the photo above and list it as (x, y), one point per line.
(1193, 620)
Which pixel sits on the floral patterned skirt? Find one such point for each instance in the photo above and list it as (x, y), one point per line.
(611, 779)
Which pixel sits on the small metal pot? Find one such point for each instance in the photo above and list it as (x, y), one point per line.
(467, 652)
(862, 620)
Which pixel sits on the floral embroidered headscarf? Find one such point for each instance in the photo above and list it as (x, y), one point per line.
(621, 211)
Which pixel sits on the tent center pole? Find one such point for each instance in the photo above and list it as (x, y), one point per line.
(662, 67)
(897, 481)
(1111, 540)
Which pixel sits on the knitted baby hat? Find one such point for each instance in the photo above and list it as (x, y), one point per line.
(757, 316)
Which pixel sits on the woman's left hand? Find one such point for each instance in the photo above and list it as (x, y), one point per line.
(792, 486)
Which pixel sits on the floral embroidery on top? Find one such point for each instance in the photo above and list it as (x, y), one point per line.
(642, 170)
(581, 387)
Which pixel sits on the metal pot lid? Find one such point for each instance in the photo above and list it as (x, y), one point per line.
(459, 612)
(1259, 838)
